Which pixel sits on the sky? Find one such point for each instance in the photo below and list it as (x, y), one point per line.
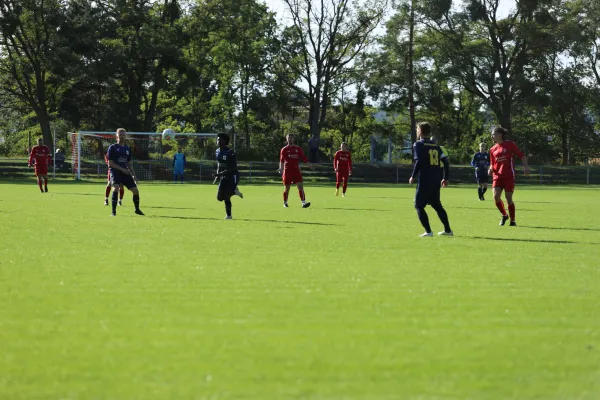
(279, 7)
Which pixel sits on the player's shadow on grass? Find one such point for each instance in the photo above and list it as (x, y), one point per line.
(525, 240)
(243, 219)
(485, 208)
(354, 209)
(561, 228)
(171, 208)
(79, 194)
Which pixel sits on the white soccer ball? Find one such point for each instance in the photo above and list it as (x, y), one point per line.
(168, 134)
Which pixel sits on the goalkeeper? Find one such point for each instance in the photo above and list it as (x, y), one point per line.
(179, 164)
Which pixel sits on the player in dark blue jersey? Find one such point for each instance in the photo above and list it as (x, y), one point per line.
(481, 162)
(121, 171)
(228, 173)
(428, 155)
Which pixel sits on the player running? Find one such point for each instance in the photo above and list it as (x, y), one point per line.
(342, 164)
(427, 156)
(40, 157)
(481, 162)
(289, 167)
(227, 170)
(121, 171)
(109, 187)
(503, 170)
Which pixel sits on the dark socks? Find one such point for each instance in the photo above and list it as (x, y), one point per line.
(115, 198)
(443, 216)
(228, 207)
(136, 201)
(424, 219)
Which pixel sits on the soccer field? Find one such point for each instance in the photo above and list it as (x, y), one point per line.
(342, 300)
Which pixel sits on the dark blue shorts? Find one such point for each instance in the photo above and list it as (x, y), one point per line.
(119, 178)
(227, 186)
(429, 194)
(481, 176)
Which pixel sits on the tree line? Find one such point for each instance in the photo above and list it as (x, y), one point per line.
(327, 70)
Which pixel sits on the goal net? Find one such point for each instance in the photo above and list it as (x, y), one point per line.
(152, 157)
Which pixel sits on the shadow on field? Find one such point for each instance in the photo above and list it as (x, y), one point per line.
(486, 208)
(243, 219)
(171, 208)
(99, 194)
(561, 228)
(525, 240)
(354, 209)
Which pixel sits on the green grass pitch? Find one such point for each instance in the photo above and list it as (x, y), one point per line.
(339, 301)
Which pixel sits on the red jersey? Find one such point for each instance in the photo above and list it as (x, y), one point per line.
(501, 159)
(342, 161)
(290, 156)
(40, 156)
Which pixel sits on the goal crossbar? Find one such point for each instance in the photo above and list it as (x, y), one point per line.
(80, 146)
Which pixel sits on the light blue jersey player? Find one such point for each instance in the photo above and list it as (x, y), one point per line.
(179, 164)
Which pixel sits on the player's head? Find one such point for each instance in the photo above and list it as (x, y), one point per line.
(482, 147)
(222, 139)
(499, 134)
(121, 135)
(40, 141)
(343, 146)
(290, 138)
(424, 130)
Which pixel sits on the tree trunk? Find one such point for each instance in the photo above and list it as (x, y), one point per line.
(151, 111)
(411, 80)
(44, 121)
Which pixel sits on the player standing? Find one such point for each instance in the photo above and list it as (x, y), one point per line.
(40, 156)
(427, 155)
(179, 164)
(342, 164)
(227, 170)
(121, 171)
(481, 162)
(289, 167)
(503, 170)
(109, 186)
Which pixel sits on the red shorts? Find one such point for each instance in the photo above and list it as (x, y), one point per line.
(342, 175)
(291, 176)
(41, 170)
(508, 184)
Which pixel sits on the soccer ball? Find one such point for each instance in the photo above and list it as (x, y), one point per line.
(168, 134)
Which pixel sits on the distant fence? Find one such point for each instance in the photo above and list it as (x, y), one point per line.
(161, 170)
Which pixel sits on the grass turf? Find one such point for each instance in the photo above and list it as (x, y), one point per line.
(339, 301)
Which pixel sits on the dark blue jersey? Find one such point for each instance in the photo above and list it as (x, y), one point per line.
(227, 162)
(481, 160)
(121, 155)
(429, 159)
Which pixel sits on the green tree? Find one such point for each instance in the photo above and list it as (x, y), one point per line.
(33, 57)
(321, 43)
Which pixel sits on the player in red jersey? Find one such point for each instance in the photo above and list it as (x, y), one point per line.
(503, 171)
(40, 156)
(342, 164)
(289, 158)
(109, 187)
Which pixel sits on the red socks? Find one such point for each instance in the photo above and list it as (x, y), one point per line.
(301, 194)
(511, 212)
(500, 205)
(285, 196)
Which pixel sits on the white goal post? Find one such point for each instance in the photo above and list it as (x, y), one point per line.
(151, 155)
